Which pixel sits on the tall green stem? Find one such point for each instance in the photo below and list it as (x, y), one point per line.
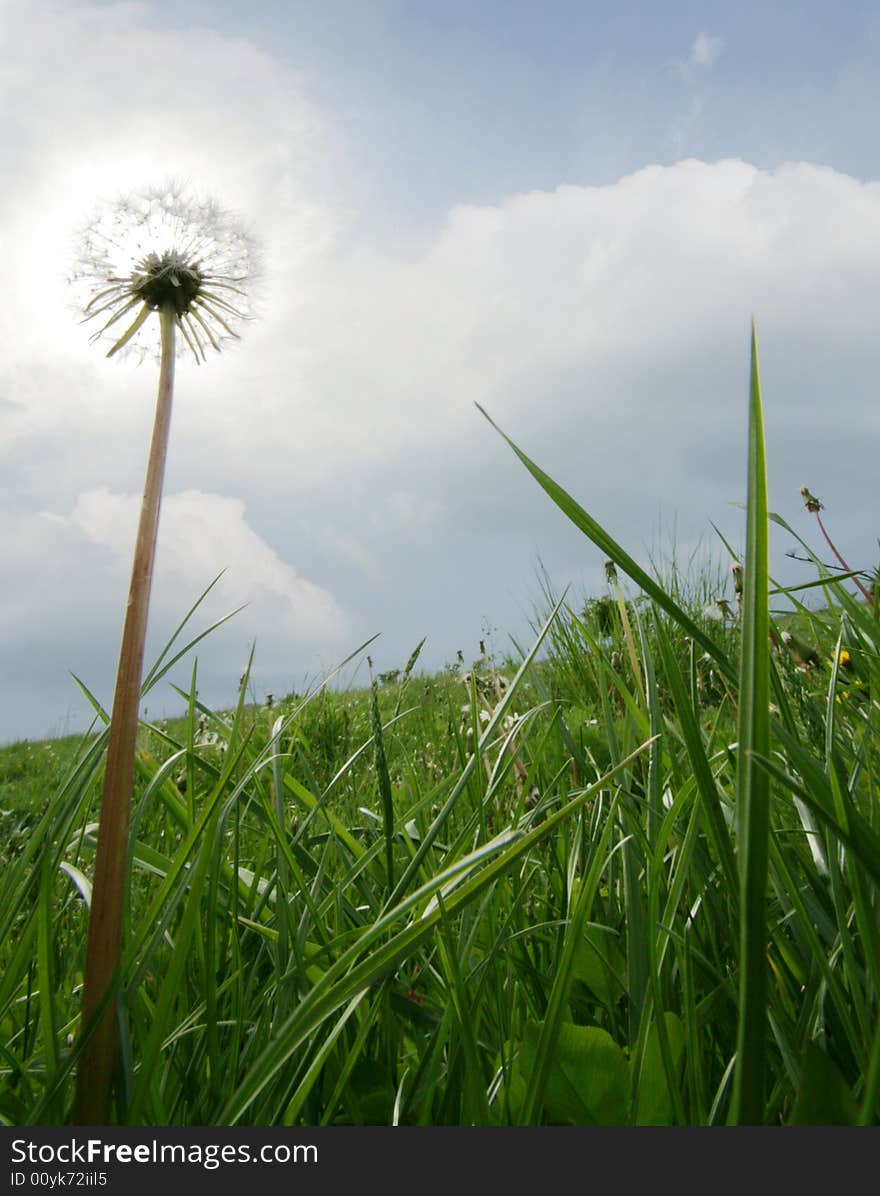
(753, 783)
(94, 1079)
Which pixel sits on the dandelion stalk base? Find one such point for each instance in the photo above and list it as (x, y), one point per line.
(95, 1072)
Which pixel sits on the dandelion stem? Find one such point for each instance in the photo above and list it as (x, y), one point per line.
(95, 1072)
(867, 596)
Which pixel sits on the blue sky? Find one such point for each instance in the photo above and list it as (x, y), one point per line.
(468, 102)
(568, 213)
(524, 89)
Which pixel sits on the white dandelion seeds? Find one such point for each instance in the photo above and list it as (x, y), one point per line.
(163, 248)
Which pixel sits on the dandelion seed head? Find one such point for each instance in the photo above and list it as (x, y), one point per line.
(164, 248)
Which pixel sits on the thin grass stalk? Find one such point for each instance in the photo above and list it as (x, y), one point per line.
(753, 783)
(627, 631)
(383, 781)
(94, 1079)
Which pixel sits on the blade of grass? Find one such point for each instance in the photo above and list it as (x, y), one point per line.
(702, 772)
(618, 555)
(383, 781)
(753, 788)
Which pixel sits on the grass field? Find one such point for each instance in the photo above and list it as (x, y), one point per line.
(629, 877)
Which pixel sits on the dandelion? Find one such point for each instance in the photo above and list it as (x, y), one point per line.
(719, 609)
(814, 506)
(164, 251)
(812, 503)
(189, 263)
(736, 570)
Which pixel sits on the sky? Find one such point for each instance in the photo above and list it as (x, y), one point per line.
(568, 213)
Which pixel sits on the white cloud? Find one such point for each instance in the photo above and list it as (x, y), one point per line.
(67, 575)
(706, 49)
(605, 328)
(202, 535)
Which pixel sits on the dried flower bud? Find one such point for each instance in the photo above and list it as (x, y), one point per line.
(810, 501)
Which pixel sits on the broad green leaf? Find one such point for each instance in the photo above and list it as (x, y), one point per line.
(588, 1083)
(654, 1102)
(823, 1095)
(600, 964)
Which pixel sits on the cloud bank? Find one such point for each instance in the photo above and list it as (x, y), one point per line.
(334, 464)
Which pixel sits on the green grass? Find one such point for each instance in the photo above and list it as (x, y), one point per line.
(629, 877)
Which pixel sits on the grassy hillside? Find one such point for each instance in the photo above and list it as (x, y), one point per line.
(630, 877)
